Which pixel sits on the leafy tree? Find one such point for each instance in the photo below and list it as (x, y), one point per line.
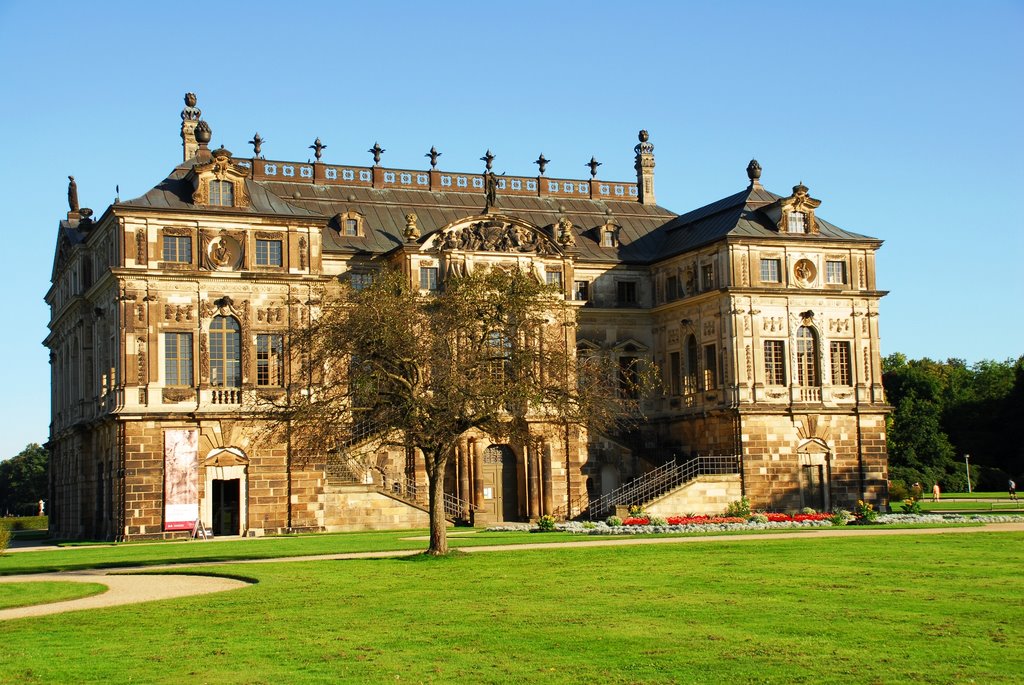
(23, 480)
(491, 352)
(943, 410)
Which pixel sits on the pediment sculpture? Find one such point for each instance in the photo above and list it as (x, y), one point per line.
(493, 236)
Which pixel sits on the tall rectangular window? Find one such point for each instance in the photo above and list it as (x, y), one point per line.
(268, 253)
(553, 277)
(771, 270)
(178, 359)
(795, 222)
(675, 370)
(178, 248)
(351, 227)
(360, 281)
(222, 193)
(428, 278)
(671, 288)
(581, 291)
(835, 272)
(707, 277)
(626, 292)
(775, 362)
(269, 360)
(839, 350)
(710, 367)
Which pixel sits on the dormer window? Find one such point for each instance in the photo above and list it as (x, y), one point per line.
(222, 194)
(349, 224)
(610, 235)
(795, 223)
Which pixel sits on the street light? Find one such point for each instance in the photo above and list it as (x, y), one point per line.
(967, 464)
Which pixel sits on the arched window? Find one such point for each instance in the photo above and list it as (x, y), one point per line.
(807, 357)
(690, 375)
(225, 353)
(222, 194)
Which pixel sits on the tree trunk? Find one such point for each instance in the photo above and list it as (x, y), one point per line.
(438, 524)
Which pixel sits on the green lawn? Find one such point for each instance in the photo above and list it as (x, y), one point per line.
(936, 608)
(973, 507)
(44, 592)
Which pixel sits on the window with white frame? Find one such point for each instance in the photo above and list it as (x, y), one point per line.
(842, 373)
(771, 270)
(775, 362)
(835, 271)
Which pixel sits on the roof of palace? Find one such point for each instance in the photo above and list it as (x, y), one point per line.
(383, 197)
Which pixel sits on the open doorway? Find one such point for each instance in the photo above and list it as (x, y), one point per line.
(226, 507)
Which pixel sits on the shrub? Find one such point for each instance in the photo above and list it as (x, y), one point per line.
(589, 525)
(657, 521)
(911, 506)
(546, 523)
(5, 537)
(898, 490)
(740, 507)
(865, 512)
(841, 517)
(613, 521)
(808, 510)
(759, 518)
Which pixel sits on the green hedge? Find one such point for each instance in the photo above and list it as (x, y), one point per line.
(15, 523)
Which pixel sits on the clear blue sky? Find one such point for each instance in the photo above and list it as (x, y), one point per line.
(904, 118)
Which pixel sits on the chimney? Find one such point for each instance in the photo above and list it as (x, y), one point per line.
(645, 169)
(189, 119)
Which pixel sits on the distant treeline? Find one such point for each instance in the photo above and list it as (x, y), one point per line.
(945, 410)
(23, 481)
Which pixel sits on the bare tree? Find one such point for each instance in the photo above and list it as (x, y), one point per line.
(491, 351)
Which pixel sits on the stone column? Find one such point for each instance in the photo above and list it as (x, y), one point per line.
(464, 496)
(532, 481)
(545, 461)
(478, 473)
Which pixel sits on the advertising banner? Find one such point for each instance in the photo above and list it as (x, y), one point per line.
(181, 478)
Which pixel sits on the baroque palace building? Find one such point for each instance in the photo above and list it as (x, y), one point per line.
(170, 314)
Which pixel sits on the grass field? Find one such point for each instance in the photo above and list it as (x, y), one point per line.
(27, 594)
(937, 608)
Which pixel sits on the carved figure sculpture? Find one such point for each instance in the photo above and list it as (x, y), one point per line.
(491, 185)
(221, 253)
(72, 194)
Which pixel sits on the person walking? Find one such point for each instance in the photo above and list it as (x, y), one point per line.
(1013, 490)
(936, 492)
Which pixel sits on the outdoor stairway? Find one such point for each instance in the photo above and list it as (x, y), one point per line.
(658, 482)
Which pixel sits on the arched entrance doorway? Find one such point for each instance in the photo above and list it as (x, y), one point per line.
(814, 475)
(501, 484)
(225, 500)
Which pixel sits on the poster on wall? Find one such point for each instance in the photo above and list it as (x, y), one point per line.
(181, 479)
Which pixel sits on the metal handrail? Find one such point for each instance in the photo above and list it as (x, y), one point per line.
(659, 481)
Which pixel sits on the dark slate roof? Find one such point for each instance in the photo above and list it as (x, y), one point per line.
(647, 233)
(742, 216)
(175, 193)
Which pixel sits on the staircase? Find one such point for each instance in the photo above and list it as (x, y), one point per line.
(658, 482)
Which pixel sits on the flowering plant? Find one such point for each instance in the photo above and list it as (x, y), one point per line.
(546, 523)
(865, 512)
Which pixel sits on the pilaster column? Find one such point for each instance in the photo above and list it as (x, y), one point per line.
(545, 463)
(478, 473)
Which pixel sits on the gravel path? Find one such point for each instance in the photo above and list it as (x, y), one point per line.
(131, 589)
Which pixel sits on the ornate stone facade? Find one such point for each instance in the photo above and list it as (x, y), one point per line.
(761, 317)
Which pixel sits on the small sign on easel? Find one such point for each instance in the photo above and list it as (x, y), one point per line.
(199, 530)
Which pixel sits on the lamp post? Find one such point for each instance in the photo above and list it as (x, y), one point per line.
(967, 464)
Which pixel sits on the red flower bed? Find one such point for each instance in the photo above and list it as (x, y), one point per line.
(705, 519)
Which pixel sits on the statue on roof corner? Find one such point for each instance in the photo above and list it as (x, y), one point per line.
(72, 194)
(191, 112)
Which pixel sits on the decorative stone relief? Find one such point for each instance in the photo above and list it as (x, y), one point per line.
(867, 365)
(744, 276)
(140, 354)
(269, 315)
(673, 336)
(773, 324)
(861, 273)
(493, 236)
(177, 312)
(141, 253)
(303, 246)
(750, 364)
(172, 395)
(204, 358)
(839, 325)
(708, 328)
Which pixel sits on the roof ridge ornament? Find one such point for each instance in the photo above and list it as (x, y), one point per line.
(377, 151)
(593, 164)
(318, 148)
(542, 163)
(257, 144)
(489, 159)
(433, 154)
(754, 174)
